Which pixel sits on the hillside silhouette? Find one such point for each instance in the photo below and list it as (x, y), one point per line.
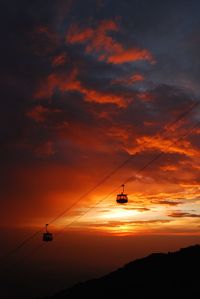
(159, 275)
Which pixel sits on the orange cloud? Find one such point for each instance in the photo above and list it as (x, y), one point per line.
(130, 55)
(59, 60)
(137, 77)
(169, 167)
(118, 132)
(129, 80)
(40, 113)
(76, 35)
(103, 97)
(146, 96)
(71, 83)
(37, 113)
(99, 41)
(165, 145)
(53, 81)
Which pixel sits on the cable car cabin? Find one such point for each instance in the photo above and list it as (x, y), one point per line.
(122, 197)
(47, 236)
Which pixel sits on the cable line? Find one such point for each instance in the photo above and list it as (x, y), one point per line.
(129, 179)
(111, 173)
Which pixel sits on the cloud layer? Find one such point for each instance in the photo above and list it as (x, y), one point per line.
(87, 86)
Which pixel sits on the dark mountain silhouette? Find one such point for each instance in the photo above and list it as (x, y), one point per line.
(159, 275)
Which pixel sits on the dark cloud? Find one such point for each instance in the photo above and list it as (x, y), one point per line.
(179, 214)
(167, 202)
(131, 223)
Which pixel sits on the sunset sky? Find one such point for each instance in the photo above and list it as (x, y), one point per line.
(86, 86)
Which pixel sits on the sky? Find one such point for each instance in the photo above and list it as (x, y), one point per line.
(98, 93)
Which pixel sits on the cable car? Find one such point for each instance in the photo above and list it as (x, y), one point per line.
(122, 197)
(47, 236)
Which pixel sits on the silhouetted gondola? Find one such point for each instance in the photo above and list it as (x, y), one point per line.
(47, 236)
(122, 197)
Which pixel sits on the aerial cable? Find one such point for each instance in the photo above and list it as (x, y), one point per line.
(129, 179)
(28, 239)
